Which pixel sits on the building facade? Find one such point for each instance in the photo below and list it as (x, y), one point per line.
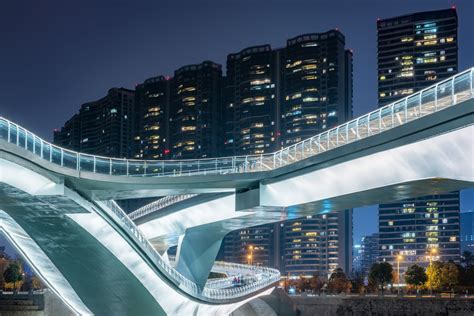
(252, 101)
(317, 85)
(259, 245)
(103, 127)
(420, 230)
(318, 244)
(195, 114)
(152, 101)
(317, 95)
(369, 252)
(467, 231)
(414, 52)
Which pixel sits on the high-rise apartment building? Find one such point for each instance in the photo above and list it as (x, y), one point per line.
(276, 98)
(317, 95)
(152, 101)
(414, 52)
(251, 126)
(420, 229)
(252, 101)
(195, 114)
(317, 85)
(467, 231)
(103, 127)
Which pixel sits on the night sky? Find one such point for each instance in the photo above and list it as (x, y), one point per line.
(57, 55)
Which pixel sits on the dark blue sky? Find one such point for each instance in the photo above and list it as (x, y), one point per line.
(56, 54)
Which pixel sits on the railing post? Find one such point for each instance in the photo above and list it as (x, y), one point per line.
(126, 164)
(453, 96)
(380, 120)
(436, 96)
(94, 164)
(406, 110)
(110, 166)
(421, 108)
(357, 129)
(471, 77)
(62, 157)
(245, 163)
(392, 114)
(8, 132)
(78, 162)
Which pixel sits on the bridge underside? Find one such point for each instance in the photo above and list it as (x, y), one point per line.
(105, 285)
(81, 254)
(435, 165)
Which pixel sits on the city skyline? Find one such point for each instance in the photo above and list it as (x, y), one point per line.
(80, 89)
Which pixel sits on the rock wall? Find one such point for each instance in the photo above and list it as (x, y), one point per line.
(382, 306)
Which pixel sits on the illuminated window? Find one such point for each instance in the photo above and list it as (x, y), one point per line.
(452, 238)
(390, 223)
(188, 128)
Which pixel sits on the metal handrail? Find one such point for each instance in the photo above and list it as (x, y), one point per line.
(158, 205)
(433, 99)
(267, 276)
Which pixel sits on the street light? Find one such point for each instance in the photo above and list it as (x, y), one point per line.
(250, 256)
(433, 252)
(399, 258)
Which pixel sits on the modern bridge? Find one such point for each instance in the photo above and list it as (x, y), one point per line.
(58, 206)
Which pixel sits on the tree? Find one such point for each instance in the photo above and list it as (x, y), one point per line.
(381, 274)
(433, 272)
(449, 275)
(316, 283)
(13, 274)
(338, 282)
(415, 276)
(357, 281)
(303, 284)
(467, 258)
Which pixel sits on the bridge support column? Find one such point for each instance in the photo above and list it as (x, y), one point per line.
(196, 253)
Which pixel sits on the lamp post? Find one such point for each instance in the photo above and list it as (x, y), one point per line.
(399, 258)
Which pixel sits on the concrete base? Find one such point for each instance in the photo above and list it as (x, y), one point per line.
(277, 303)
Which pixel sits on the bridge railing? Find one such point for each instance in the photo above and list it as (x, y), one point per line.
(159, 204)
(264, 276)
(433, 99)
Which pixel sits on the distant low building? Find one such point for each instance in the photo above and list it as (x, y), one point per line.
(467, 231)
